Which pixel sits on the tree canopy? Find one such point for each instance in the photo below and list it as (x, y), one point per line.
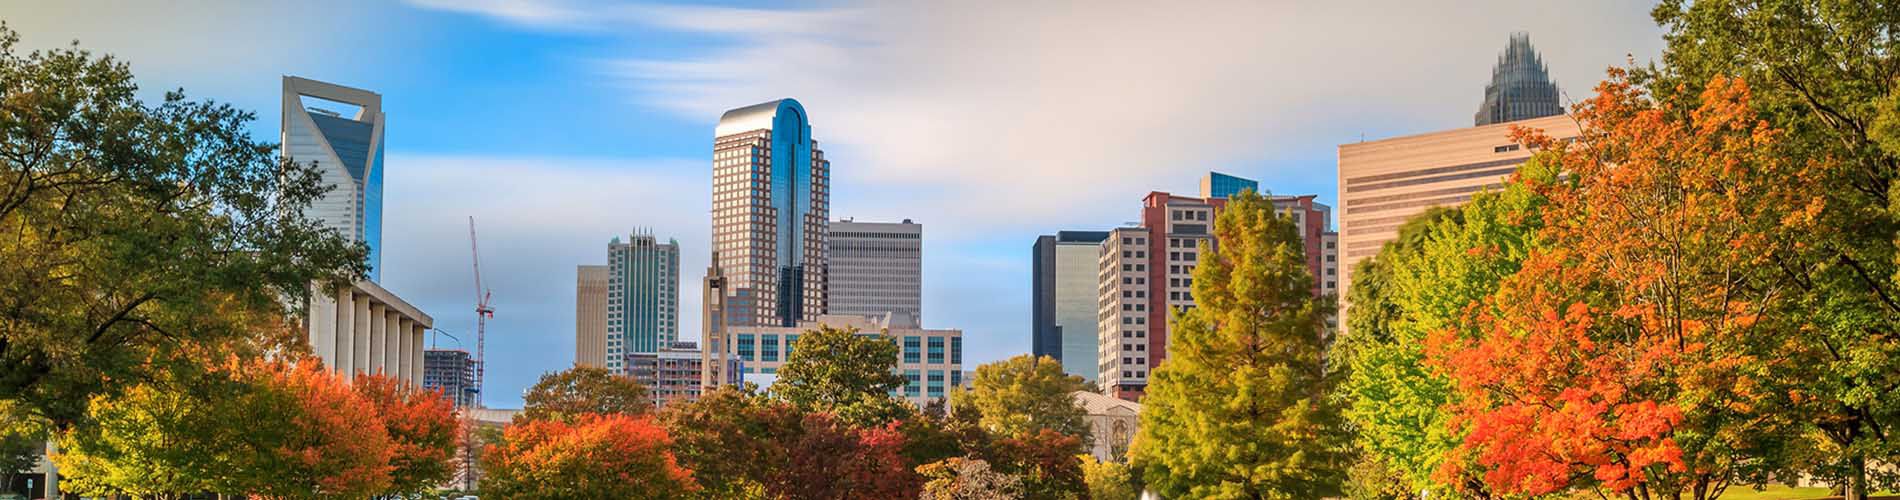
(584, 390)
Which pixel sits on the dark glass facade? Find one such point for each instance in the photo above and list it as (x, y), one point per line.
(1046, 329)
(1520, 87)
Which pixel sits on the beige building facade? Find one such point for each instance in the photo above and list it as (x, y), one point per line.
(931, 360)
(363, 329)
(1385, 182)
(590, 316)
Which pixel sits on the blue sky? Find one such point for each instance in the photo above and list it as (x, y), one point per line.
(559, 124)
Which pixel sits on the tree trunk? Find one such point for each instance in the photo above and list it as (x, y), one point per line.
(1856, 488)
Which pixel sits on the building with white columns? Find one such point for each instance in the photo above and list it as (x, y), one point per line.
(366, 329)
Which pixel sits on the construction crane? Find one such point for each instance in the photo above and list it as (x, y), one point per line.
(482, 313)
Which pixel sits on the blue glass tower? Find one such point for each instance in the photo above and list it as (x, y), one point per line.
(339, 130)
(1219, 185)
(771, 210)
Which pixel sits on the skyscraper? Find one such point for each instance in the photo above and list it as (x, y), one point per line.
(643, 278)
(451, 371)
(1219, 185)
(340, 130)
(1062, 300)
(590, 316)
(771, 214)
(1520, 88)
(876, 268)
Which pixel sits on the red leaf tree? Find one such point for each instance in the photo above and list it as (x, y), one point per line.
(422, 428)
(595, 456)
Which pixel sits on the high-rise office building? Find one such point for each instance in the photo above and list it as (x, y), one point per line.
(362, 328)
(643, 277)
(1147, 271)
(451, 371)
(1520, 87)
(672, 374)
(1385, 182)
(340, 130)
(590, 316)
(771, 214)
(876, 268)
(1219, 185)
(1063, 300)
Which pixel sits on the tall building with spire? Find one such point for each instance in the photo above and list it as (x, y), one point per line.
(340, 130)
(1520, 87)
(771, 214)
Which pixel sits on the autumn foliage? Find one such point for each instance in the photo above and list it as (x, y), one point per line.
(422, 428)
(595, 456)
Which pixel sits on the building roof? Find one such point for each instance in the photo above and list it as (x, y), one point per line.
(754, 117)
(1098, 404)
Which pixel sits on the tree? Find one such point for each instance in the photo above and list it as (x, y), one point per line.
(736, 438)
(304, 434)
(584, 390)
(1045, 461)
(958, 478)
(422, 432)
(1240, 408)
(1821, 72)
(133, 232)
(1108, 480)
(1025, 394)
(845, 373)
(1636, 351)
(611, 455)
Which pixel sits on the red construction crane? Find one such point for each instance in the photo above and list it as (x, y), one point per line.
(482, 313)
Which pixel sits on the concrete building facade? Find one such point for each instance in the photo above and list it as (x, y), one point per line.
(340, 130)
(1124, 332)
(1063, 300)
(642, 297)
(590, 316)
(931, 360)
(876, 268)
(672, 374)
(771, 214)
(363, 328)
(1385, 182)
(451, 371)
(1112, 424)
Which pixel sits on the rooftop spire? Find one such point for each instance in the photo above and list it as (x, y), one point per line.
(1520, 87)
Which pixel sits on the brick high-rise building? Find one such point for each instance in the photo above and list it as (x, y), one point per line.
(771, 214)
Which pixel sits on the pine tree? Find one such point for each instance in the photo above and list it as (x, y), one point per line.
(1240, 410)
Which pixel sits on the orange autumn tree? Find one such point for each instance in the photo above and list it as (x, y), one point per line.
(335, 445)
(422, 428)
(595, 456)
(1634, 352)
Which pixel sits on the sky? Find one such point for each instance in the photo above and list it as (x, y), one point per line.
(560, 124)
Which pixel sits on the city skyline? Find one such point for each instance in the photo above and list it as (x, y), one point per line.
(530, 143)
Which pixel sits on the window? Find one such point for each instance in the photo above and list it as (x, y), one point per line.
(936, 384)
(956, 355)
(770, 345)
(1505, 148)
(746, 345)
(913, 349)
(913, 383)
(936, 350)
(790, 340)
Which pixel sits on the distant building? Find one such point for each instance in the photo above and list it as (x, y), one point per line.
(715, 352)
(1112, 424)
(1219, 185)
(590, 316)
(642, 297)
(931, 360)
(771, 213)
(1520, 87)
(1383, 183)
(672, 374)
(1063, 300)
(451, 371)
(876, 268)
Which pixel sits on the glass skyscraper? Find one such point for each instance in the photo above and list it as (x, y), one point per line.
(771, 214)
(643, 277)
(1219, 185)
(340, 131)
(1520, 87)
(1063, 299)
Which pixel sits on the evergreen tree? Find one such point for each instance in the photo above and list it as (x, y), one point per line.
(1240, 409)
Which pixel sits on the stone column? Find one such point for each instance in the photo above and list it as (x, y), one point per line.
(322, 319)
(360, 345)
(415, 356)
(392, 343)
(378, 324)
(345, 332)
(405, 370)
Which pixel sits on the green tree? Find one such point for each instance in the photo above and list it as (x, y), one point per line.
(584, 390)
(1823, 71)
(131, 232)
(846, 373)
(1108, 480)
(1025, 394)
(1421, 282)
(1240, 409)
